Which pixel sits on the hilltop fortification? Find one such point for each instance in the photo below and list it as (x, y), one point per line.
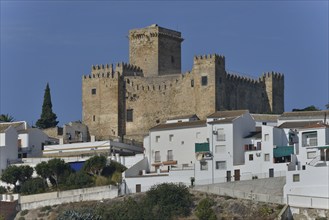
(128, 99)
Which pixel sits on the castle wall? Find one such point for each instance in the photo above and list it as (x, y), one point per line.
(100, 110)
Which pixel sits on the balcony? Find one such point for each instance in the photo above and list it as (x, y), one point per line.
(251, 147)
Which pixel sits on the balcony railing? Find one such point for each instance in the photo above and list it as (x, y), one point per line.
(251, 147)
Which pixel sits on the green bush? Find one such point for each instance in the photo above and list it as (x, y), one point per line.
(78, 180)
(167, 200)
(3, 190)
(204, 211)
(46, 208)
(33, 186)
(79, 214)
(24, 212)
(101, 181)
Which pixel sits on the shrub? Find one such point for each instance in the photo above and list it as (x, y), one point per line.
(116, 177)
(3, 190)
(85, 214)
(33, 186)
(24, 212)
(101, 181)
(46, 208)
(78, 180)
(167, 200)
(204, 210)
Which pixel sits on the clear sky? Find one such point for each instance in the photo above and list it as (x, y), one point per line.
(58, 41)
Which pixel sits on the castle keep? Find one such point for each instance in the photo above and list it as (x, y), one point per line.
(128, 99)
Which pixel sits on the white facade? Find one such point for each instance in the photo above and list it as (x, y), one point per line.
(174, 144)
(8, 146)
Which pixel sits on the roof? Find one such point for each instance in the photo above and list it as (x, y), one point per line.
(179, 125)
(4, 127)
(223, 121)
(304, 114)
(298, 124)
(227, 114)
(265, 117)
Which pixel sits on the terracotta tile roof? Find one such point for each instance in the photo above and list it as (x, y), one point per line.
(227, 114)
(298, 124)
(179, 125)
(4, 127)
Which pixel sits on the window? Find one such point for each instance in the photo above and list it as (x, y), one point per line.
(220, 134)
(220, 165)
(192, 83)
(94, 118)
(170, 156)
(204, 80)
(171, 137)
(157, 157)
(264, 123)
(182, 143)
(251, 157)
(172, 59)
(310, 139)
(203, 165)
(157, 139)
(266, 157)
(220, 149)
(266, 137)
(311, 154)
(197, 135)
(93, 91)
(295, 178)
(130, 115)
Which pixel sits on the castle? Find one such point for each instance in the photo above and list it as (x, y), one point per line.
(128, 99)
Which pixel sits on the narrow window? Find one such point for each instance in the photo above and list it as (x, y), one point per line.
(203, 165)
(94, 118)
(204, 80)
(93, 91)
(220, 134)
(172, 59)
(266, 157)
(220, 149)
(157, 157)
(130, 115)
(251, 157)
(171, 137)
(192, 82)
(266, 137)
(311, 154)
(170, 155)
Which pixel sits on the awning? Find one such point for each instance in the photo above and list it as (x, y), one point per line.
(283, 151)
(201, 147)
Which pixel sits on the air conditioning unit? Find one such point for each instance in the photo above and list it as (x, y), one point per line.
(258, 154)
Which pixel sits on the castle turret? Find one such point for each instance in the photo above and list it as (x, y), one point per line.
(156, 50)
(274, 86)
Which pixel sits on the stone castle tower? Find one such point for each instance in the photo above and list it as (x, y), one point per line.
(128, 99)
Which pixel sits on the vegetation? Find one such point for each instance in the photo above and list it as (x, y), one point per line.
(95, 165)
(85, 214)
(48, 117)
(3, 190)
(17, 174)
(6, 118)
(204, 209)
(308, 108)
(33, 186)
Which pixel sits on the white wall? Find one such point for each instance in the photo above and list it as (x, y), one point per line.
(8, 147)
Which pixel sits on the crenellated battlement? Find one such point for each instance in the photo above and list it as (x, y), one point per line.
(113, 75)
(273, 75)
(127, 69)
(241, 79)
(200, 59)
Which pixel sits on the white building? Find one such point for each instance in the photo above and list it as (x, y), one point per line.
(8, 145)
(172, 144)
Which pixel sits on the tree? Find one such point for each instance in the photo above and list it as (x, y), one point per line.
(95, 165)
(6, 118)
(43, 171)
(48, 117)
(57, 169)
(14, 173)
(204, 211)
(308, 108)
(33, 186)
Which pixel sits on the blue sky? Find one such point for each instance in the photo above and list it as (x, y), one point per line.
(58, 41)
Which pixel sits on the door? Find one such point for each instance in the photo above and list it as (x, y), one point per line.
(228, 176)
(138, 188)
(236, 175)
(271, 172)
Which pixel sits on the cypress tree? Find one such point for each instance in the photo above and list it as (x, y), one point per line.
(48, 117)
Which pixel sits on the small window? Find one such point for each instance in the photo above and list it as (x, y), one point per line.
(130, 115)
(170, 155)
(266, 137)
(192, 83)
(220, 149)
(251, 157)
(220, 165)
(204, 80)
(266, 157)
(182, 143)
(172, 59)
(264, 123)
(94, 118)
(93, 91)
(197, 135)
(171, 137)
(220, 134)
(311, 154)
(295, 178)
(157, 139)
(203, 165)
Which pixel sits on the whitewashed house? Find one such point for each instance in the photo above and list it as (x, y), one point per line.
(8, 145)
(171, 145)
